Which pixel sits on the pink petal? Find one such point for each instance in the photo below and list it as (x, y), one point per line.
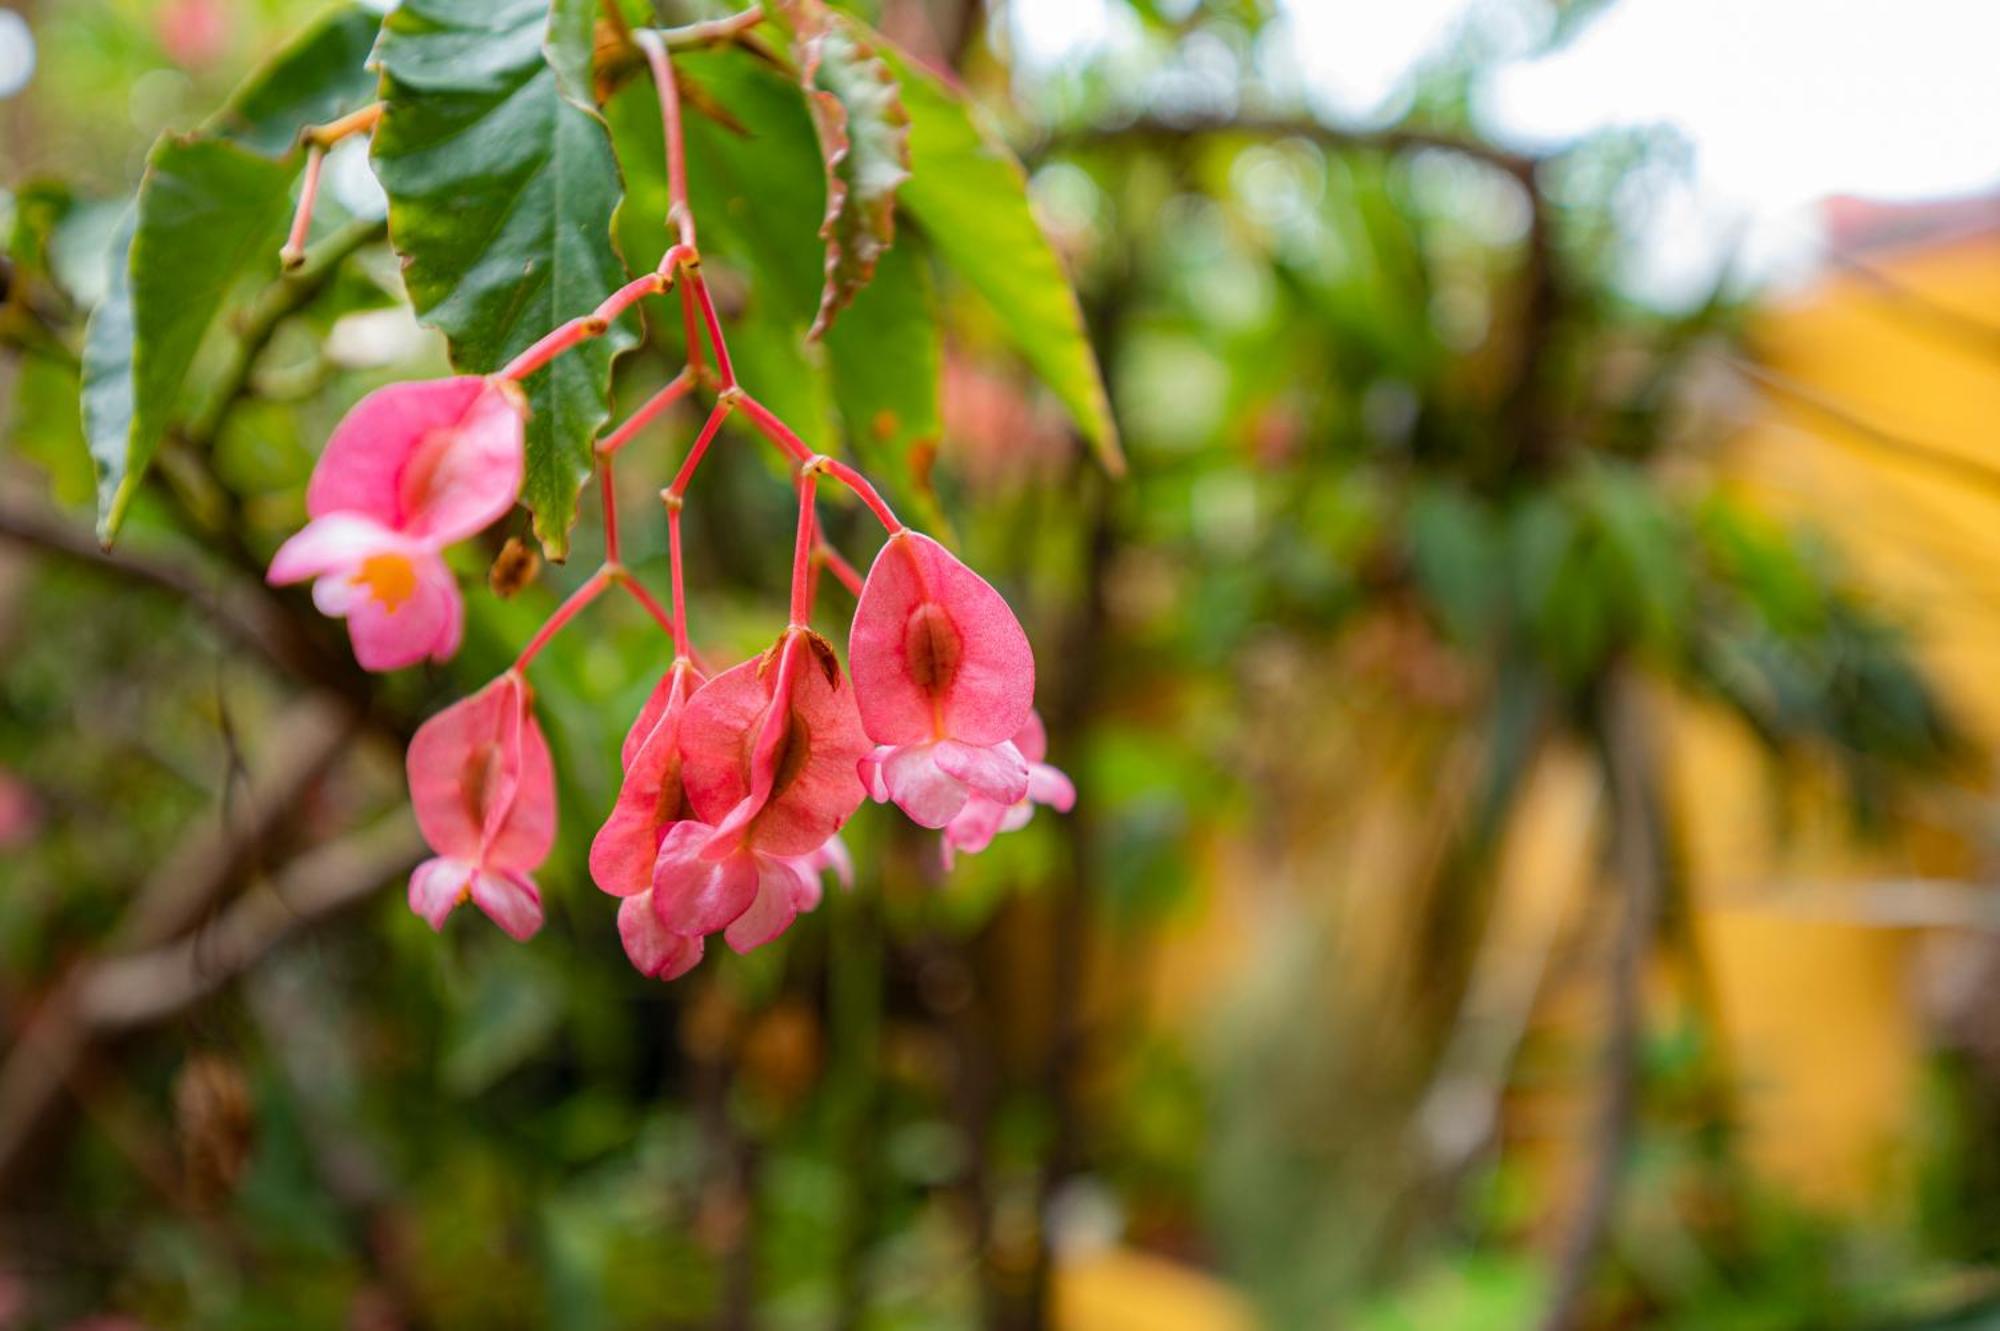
(481, 780)
(782, 886)
(1032, 739)
(454, 771)
(652, 948)
(511, 899)
(650, 798)
(696, 895)
(336, 543)
(526, 834)
(998, 772)
(795, 758)
(833, 857)
(438, 459)
(975, 826)
(869, 769)
(425, 625)
(671, 692)
(930, 796)
(935, 651)
(1047, 785)
(437, 886)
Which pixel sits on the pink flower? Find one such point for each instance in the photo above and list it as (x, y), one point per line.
(973, 828)
(943, 677)
(484, 793)
(769, 752)
(650, 801)
(413, 468)
(651, 798)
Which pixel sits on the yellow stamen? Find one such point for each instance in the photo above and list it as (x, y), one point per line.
(389, 578)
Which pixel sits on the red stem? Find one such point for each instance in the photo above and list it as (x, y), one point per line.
(294, 252)
(564, 613)
(707, 303)
(679, 592)
(867, 493)
(674, 493)
(802, 548)
(553, 344)
(679, 215)
(691, 327)
(774, 429)
(609, 493)
(843, 572)
(652, 605)
(648, 412)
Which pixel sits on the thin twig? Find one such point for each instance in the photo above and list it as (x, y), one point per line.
(122, 992)
(303, 745)
(247, 617)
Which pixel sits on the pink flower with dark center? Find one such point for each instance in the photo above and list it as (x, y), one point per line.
(973, 828)
(484, 793)
(769, 752)
(944, 678)
(413, 468)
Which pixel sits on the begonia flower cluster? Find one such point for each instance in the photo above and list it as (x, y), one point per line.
(735, 785)
(737, 782)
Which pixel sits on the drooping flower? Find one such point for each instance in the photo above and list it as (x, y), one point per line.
(973, 828)
(484, 794)
(769, 753)
(650, 801)
(411, 469)
(943, 678)
(651, 798)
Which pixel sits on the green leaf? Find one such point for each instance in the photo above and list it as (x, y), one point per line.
(972, 198)
(319, 77)
(886, 356)
(206, 210)
(864, 140)
(501, 197)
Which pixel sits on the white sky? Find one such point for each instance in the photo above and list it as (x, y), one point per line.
(1782, 101)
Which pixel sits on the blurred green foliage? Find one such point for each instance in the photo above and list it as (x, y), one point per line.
(1403, 463)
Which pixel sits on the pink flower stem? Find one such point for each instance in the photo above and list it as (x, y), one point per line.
(649, 411)
(553, 344)
(318, 138)
(608, 490)
(294, 252)
(673, 497)
(802, 548)
(679, 625)
(707, 304)
(679, 215)
(691, 329)
(595, 324)
(781, 434)
(564, 613)
(648, 601)
(858, 483)
(843, 572)
(774, 429)
(675, 492)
